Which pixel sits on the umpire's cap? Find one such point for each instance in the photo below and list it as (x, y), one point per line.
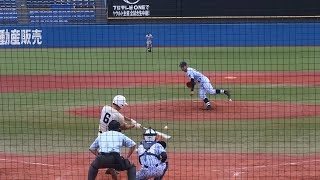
(114, 126)
(182, 64)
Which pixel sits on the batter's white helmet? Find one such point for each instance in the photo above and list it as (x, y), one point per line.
(120, 101)
(150, 135)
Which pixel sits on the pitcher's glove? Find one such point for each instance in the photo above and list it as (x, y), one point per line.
(189, 84)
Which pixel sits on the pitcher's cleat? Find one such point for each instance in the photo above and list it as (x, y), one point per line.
(228, 94)
(208, 107)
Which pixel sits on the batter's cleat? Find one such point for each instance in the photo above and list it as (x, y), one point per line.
(228, 94)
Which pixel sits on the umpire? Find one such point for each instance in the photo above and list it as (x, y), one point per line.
(107, 148)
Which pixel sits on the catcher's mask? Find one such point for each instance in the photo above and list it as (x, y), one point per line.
(150, 134)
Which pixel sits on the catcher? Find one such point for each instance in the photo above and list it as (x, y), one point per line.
(152, 157)
(204, 84)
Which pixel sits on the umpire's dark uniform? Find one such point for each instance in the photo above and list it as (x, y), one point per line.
(109, 144)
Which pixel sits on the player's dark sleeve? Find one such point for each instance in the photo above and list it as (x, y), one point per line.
(163, 156)
(193, 84)
(163, 144)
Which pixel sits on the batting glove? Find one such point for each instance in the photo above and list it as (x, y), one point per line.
(137, 125)
(133, 121)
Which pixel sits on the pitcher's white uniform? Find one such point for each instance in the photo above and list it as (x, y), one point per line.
(204, 83)
(107, 115)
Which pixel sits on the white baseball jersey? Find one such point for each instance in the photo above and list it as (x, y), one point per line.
(150, 165)
(194, 74)
(149, 37)
(150, 160)
(204, 83)
(107, 115)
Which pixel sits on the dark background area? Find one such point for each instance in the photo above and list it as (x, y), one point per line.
(250, 8)
(201, 8)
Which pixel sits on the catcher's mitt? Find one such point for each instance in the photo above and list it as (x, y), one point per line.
(189, 84)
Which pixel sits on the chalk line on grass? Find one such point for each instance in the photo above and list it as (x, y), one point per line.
(26, 162)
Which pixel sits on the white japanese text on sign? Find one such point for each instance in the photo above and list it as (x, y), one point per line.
(131, 10)
(20, 37)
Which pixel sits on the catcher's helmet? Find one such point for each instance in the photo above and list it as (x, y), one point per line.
(150, 134)
(120, 101)
(182, 64)
(114, 126)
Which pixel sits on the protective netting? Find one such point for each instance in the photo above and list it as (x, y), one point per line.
(251, 109)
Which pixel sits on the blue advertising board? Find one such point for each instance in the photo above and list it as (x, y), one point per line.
(165, 35)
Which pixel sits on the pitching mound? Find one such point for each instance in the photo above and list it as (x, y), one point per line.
(224, 110)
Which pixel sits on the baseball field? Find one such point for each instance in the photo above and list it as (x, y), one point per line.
(51, 99)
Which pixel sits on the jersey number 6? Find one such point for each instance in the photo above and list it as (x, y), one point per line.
(106, 118)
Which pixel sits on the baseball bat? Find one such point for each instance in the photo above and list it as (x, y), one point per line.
(166, 136)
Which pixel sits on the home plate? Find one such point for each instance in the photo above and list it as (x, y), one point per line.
(230, 77)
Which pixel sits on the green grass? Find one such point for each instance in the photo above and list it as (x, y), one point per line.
(102, 60)
(284, 136)
(35, 122)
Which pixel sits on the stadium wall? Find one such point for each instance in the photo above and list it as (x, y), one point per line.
(165, 35)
